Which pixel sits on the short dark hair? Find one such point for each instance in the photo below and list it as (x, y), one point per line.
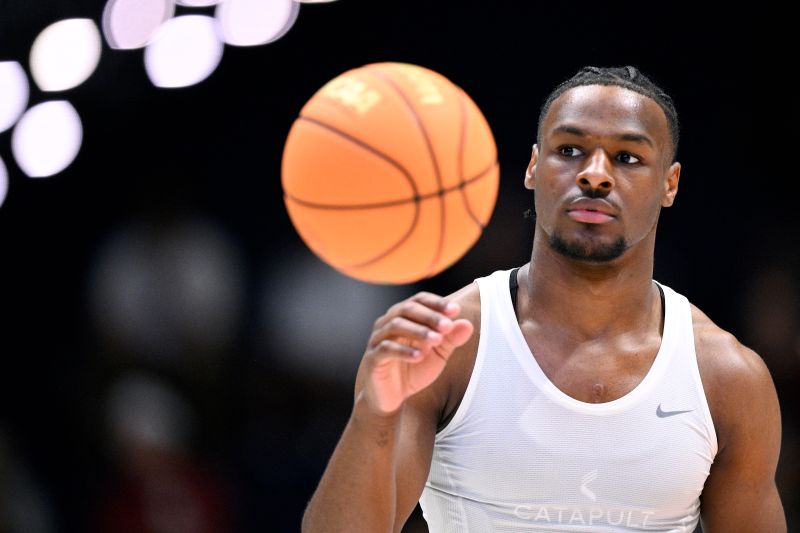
(626, 77)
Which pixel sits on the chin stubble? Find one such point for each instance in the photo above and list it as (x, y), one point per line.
(592, 254)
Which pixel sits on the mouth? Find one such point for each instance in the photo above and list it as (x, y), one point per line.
(589, 216)
(591, 210)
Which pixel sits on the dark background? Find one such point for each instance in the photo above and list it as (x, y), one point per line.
(195, 173)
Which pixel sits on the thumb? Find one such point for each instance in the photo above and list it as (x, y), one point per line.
(461, 332)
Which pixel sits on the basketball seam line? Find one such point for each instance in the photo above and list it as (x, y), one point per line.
(362, 144)
(392, 203)
(385, 157)
(390, 81)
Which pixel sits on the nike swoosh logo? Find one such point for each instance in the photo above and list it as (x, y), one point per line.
(665, 414)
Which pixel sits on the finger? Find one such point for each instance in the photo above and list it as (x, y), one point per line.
(452, 309)
(434, 301)
(389, 349)
(460, 334)
(402, 328)
(462, 331)
(419, 312)
(443, 305)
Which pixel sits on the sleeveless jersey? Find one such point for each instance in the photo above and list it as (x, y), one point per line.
(521, 455)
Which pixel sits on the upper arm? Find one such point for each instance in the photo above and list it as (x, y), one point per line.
(740, 494)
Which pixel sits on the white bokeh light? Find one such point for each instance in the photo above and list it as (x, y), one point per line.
(65, 54)
(3, 182)
(199, 3)
(166, 291)
(47, 138)
(184, 51)
(256, 22)
(14, 91)
(144, 410)
(316, 321)
(131, 24)
(314, 1)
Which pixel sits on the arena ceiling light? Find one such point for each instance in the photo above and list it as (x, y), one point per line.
(131, 24)
(14, 90)
(184, 51)
(199, 3)
(256, 22)
(65, 54)
(3, 182)
(47, 138)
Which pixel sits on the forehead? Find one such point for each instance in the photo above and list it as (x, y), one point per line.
(606, 110)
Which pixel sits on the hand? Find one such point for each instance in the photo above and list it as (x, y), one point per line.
(409, 347)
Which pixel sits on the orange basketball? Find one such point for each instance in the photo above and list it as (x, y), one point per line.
(390, 173)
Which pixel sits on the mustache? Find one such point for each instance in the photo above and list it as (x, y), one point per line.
(591, 194)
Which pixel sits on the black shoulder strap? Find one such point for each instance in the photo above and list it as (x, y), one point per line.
(663, 303)
(512, 284)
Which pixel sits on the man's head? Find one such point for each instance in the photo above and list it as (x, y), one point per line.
(628, 78)
(603, 166)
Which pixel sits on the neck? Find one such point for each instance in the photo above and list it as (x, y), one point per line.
(590, 300)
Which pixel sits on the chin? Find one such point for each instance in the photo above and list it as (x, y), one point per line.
(588, 250)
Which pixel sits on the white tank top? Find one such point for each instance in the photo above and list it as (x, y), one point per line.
(521, 455)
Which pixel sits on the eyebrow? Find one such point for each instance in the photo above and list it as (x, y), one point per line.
(628, 136)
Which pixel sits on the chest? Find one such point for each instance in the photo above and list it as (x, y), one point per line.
(593, 372)
(534, 457)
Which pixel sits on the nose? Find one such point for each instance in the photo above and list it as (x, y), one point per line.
(595, 179)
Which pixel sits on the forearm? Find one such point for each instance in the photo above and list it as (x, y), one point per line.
(357, 491)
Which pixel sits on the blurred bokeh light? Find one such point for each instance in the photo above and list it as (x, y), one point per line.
(13, 93)
(199, 3)
(143, 411)
(306, 336)
(158, 484)
(165, 290)
(3, 182)
(65, 54)
(131, 24)
(256, 22)
(184, 51)
(47, 138)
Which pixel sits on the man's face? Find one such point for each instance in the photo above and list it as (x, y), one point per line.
(602, 172)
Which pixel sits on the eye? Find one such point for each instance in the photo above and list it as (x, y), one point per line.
(628, 158)
(569, 151)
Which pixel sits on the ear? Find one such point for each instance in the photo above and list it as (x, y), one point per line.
(530, 172)
(671, 184)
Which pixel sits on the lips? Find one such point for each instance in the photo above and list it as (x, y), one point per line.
(591, 211)
(589, 217)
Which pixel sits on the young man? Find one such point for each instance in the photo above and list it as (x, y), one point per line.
(574, 393)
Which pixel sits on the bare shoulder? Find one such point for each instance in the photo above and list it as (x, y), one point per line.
(721, 353)
(735, 378)
(468, 297)
(459, 369)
